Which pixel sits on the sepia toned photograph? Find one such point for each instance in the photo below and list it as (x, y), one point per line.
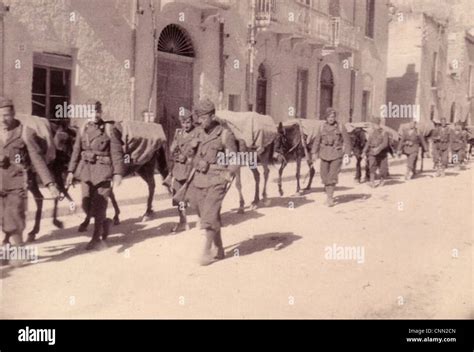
(225, 159)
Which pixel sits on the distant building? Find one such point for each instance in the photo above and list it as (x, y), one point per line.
(430, 60)
(285, 58)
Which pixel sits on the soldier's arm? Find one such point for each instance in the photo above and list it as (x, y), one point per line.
(76, 153)
(36, 158)
(116, 152)
(400, 143)
(384, 143)
(346, 140)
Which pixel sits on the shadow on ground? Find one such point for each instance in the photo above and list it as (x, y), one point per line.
(258, 243)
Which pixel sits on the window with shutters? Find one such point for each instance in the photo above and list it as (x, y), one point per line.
(301, 92)
(370, 18)
(51, 86)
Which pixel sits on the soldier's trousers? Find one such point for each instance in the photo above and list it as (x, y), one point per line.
(94, 200)
(440, 157)
(330, 171)
(208, 203)
(411, 161)
(379, 162)
(13, 211)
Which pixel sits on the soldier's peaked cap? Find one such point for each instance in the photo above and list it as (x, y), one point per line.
(96, 103)
(204, 107)
(5, 102)
(185, 114)
(376, 120)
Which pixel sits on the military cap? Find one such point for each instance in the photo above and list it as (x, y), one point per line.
(185, 114)
(204, 107)
(96, 103)
(5, 102)
(329, 111)
(376, 120)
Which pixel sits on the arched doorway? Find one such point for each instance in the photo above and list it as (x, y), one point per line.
(327, 90)
(175, 77)
(262, 83)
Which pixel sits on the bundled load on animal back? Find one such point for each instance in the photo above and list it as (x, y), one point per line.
(140, 139)
(309, 127)
(42, 134)
(256, 130)
(368, 126)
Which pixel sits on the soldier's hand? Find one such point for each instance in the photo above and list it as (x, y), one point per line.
(53, 190)
(69, 179)
(117, 180)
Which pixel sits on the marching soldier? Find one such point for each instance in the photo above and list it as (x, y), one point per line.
(332, 146)
(376, 151)
(210, 179)
(410, 143)
(458, 143)
(182, 150)
(98, 159)
(18, 153)
(440, 137)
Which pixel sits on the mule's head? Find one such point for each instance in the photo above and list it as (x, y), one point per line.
(287, 139)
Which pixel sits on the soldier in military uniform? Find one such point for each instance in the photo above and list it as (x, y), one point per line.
(97, 158)
(410, 143)
(18, 153)
(209, 184)
(376, 151)
(458, 144)
(440, 136)
(182, 150)
(332, 146)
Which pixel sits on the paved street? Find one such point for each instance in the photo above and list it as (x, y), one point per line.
(413, 240)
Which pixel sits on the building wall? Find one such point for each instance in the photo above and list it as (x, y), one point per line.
(373, 59)
(404, 62)
(99, 45)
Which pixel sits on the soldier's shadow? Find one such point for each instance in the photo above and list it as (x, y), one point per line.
(346, 198)
(286, 202)
(233, 218)
(258, 243)
(125, 235)
(321, 189)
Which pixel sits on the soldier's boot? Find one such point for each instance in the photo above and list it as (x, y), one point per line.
(372, 181)
(409, 175)
(206, 256)
(106, 228)
(330, 196)
(382, 181)
(438, 170)
(183, 223)
(95, 241)
(442, 171)
(220, 248)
